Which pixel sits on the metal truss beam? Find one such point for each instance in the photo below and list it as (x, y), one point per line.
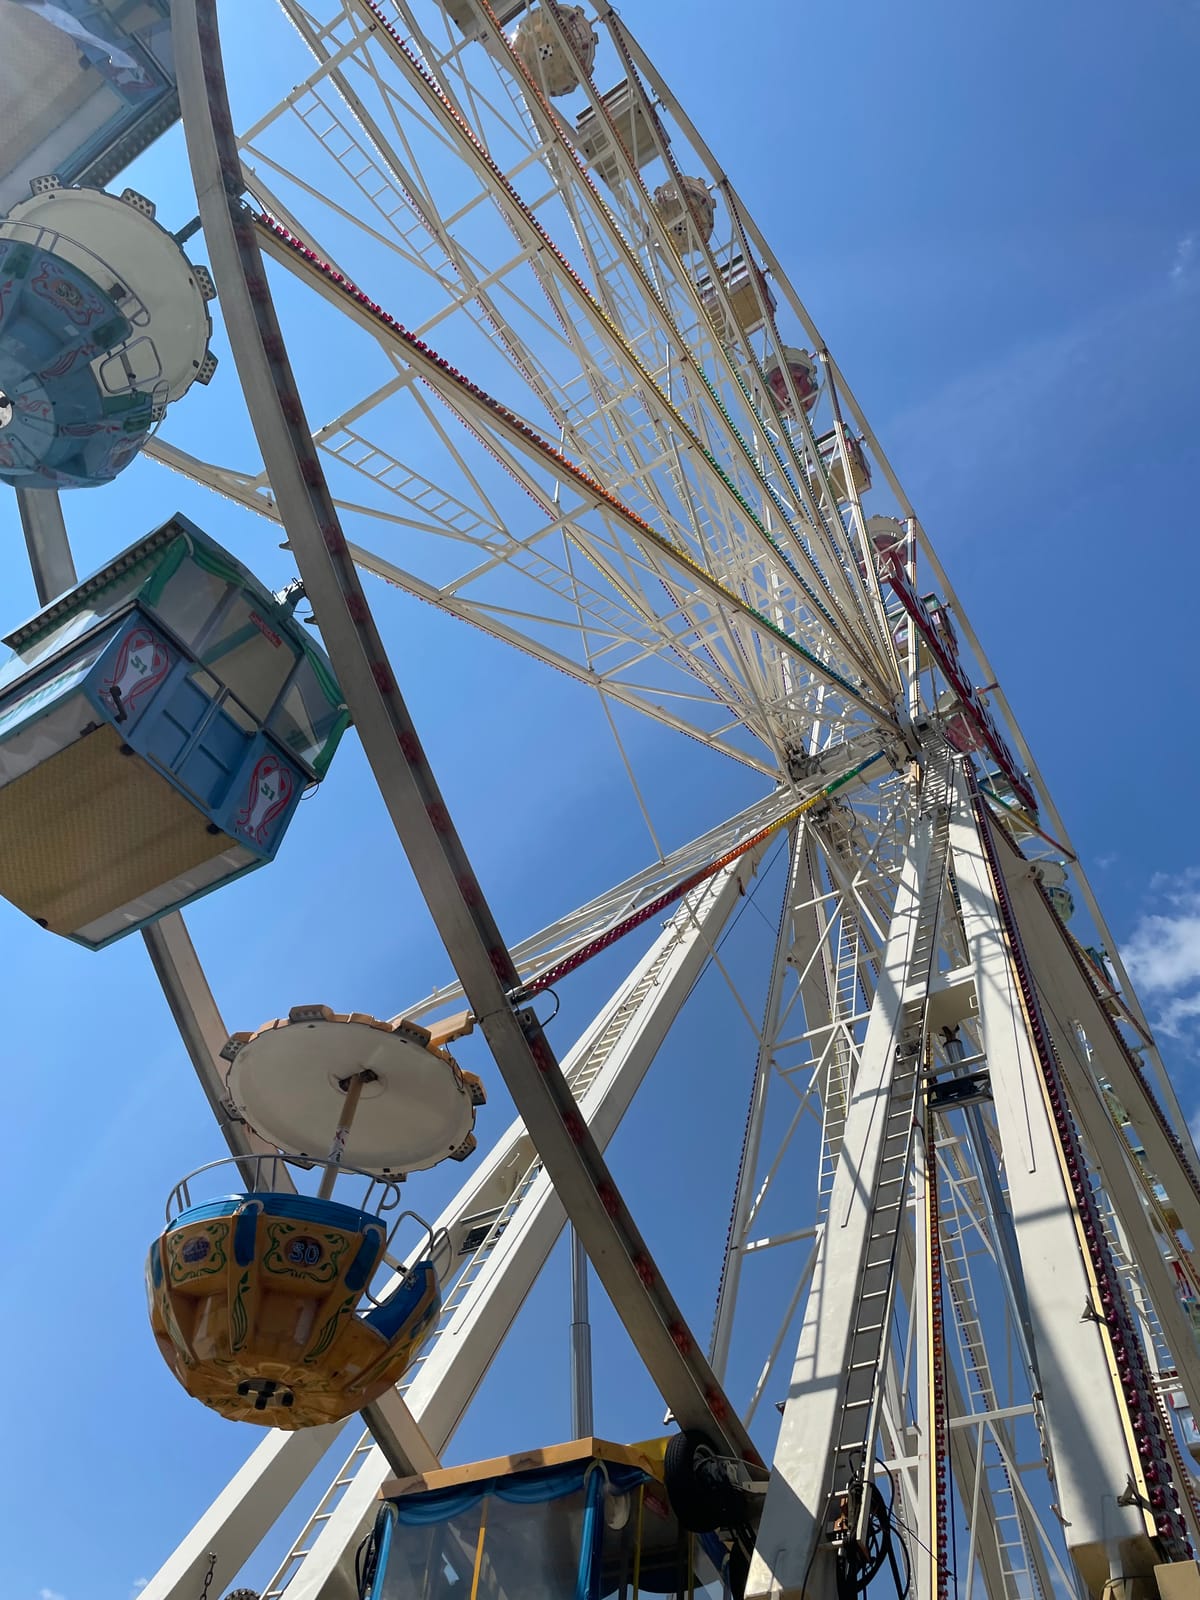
(705, 597)
(249, 492)
(744, 1192)
(1073, 1000)
(450, 1375)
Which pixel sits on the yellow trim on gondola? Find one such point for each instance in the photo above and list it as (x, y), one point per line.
(648, 1456)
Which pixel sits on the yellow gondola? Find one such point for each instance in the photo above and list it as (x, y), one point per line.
(270, 1305)
(255, 1306)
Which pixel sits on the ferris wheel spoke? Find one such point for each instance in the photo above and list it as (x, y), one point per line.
(477, 409)
(808, 462)
(409, 222)
(571, 284)
(646, 699)
(595, 926)
(647, 226)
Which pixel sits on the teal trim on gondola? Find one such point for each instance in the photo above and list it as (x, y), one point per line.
(44, 692)
(193, 543)
(320, 763)
(151, 564)
(245, 1232)
(385, 1523)
(89, 588)
(168, 565)
(587, 1577)
(295, 1207)
(222, 565)
(524, 1488)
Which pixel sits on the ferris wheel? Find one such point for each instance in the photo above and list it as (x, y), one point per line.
(588, 414)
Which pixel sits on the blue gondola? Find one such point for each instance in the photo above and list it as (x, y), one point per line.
(158, 726)
(584, 1521)
(103, 324)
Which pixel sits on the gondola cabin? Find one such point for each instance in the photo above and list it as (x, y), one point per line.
(581, 1521)
(286, 1308)
(747, 294)
(260, 1304)
(805, 380)
(539, 44)
(103, 324)
(158, 726)
(831, 460)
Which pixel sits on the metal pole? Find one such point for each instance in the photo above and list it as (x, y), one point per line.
(744, 1190)
(1004, 1234)
(606, 1066)
(581, 1343)
(46, 541)
(352, 1088)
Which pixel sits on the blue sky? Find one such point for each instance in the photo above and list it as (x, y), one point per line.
(994, 215)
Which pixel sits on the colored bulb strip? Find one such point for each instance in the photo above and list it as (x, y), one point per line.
(604, 941)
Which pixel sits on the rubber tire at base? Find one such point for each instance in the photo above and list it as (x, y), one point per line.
(699, 1507)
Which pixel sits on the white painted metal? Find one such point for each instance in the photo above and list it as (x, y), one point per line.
(830, 1422)
(739, 1235)
(606, 1068)
(1093, 1459)
(286, 1082)
(46, 542)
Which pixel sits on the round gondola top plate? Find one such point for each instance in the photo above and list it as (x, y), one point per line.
(289, 1081)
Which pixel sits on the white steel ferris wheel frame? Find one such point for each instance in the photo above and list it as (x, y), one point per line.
(714, 541)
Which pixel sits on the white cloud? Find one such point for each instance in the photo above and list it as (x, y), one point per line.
(49, 1594)
(1163, 952)
(138, 1585)
(1185, 258)
(991, 419)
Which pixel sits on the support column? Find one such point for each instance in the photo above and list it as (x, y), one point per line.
(46, 542)
(744, 1193)
(835, 1380)
(1072, 999)
(582, 1422)
(418, 811)
(1095, 1458)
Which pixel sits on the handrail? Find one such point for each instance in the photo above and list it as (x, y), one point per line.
(179, 1200)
